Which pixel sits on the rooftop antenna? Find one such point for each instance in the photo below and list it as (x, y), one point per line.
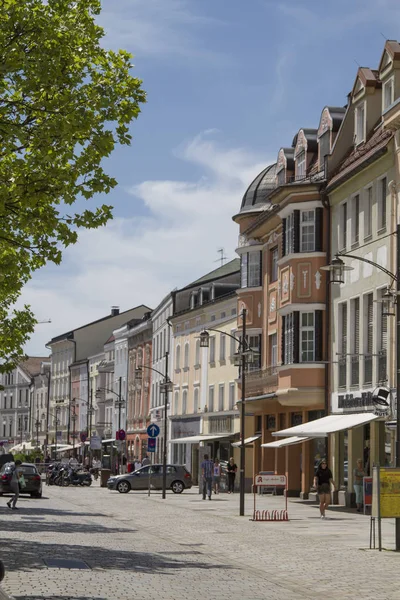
(222, 258)
(357, 63)
(384, 36)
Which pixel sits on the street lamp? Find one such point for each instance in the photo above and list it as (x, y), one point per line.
(37, 425)
(166, 387)
(242, 359)
(389, 299)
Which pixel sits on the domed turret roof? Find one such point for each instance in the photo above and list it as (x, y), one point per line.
(259, 190)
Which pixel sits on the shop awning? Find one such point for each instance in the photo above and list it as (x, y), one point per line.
(286, 442)
(65, 448)
(196, 439)
(330, 424)
(247, 441)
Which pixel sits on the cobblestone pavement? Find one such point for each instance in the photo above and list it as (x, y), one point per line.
(139, 547)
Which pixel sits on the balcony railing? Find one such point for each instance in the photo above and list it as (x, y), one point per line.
(263, 378)
(382, 366)
(368, 369)
(355, 371)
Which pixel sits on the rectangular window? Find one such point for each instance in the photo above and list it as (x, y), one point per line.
(368, 337)
(289, 234)
(343, 226)
(288, 335)
(343, 345)
(355, 341)
(383, 343)
(307, 231)
(281, 177)
(233, 343)
(388, 94)
(211, 398)
(355, 220)
(232, 399)
(301, 165)
(221, 396)
(273, 350)
(254, 275)
(243, 270)
(274, 264)
(212, 349)
(368, 212)
(382, 191)
(307, 337)
(254, 342)
(222, 348)
(360, 124)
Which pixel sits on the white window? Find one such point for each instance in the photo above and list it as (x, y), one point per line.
(243, 270)
(232, 396)
(355, 220)
(343, 227)
(222, 348)
(368, 212)
(382, 191)
(273, 350)
(301, 165)
(184, 402)
(176, 402)
(254, 272)
(197, 357)
(289, 247)
(211, 398)
(288, 339)
(388, 94)
(221, 396)
(178, 357)
(186, 358)
(307, 337)
(254, 342)
(360, 124)
(212, 350)
(307, 231)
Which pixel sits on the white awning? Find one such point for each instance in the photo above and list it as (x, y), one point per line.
(247, 441)
(330, 424)
(286, 442)
(196, 439)
(65, 448)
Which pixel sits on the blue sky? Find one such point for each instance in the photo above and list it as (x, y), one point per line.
(228, 84)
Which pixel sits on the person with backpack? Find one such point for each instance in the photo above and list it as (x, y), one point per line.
(14, 485)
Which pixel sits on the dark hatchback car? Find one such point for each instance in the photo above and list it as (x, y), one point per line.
(32, 479)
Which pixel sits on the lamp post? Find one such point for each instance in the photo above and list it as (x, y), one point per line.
(165, 388)
(56, 422)
(37, 425)
(390, 298)
(242, 359)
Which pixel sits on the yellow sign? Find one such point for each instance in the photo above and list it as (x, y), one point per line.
(390, 492)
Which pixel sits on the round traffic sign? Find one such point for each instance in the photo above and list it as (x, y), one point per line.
(83, 436)
(121, 435)
(153, 430)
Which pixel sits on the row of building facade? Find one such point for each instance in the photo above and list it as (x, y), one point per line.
(319, 348)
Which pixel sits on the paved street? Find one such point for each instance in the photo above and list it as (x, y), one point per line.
(134, 546)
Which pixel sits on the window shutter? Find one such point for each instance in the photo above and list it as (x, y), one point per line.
(296, 231)
(259, 361)
(283, 237)
(261, 267)
(318, 228)
(370, 324)
(356, 326)
(383, 330)
(296, 336)
(283, 340)
(318, 335)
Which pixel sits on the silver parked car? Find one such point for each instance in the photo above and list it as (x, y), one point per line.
(178, 479)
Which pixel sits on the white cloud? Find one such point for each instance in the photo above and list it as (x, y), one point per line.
(138, 260)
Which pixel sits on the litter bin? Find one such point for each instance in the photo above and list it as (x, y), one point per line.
(105, 475)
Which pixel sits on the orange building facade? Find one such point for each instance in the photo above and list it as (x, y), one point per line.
(283, 243)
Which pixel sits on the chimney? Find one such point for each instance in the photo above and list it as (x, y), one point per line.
(114, 311)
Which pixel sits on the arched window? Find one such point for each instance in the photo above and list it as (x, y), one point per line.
(178, 357)
(176, 402)
(186, 359)
(184, 402)
(196, 400)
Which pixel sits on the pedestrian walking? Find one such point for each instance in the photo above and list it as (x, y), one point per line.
(137, 463)
(323, 480)
(232, 470)
(146, 461)
(358, 476)
(14, 484)
(207, 467)
(217, 476)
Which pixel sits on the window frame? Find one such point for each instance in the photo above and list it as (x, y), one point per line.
(390, 81)
(273, 349)
(289, 234)
(211, 394)
(368, 204)
(343, 218)
(212, 350)
(222, 348)
(304, 225)
(355, 220)
(382, 204)
(274, 258)
(359, 138)
(306, 329)
(221, 397)
(301, 164)
(288, 335)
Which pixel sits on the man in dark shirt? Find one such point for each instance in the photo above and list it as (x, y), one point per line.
(207, 473)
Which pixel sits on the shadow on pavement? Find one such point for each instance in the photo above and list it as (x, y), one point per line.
(38, 510)
(36, 597)
(19, 555)
(39, 526)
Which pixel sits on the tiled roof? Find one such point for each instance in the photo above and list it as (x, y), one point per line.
(362, 153)
(31, 366)
(227, 269)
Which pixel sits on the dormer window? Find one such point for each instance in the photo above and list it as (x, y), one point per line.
(281, 177)
(301, 165)
(360, 124)
(388, 94)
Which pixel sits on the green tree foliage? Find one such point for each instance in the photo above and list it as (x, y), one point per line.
(65, 102)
